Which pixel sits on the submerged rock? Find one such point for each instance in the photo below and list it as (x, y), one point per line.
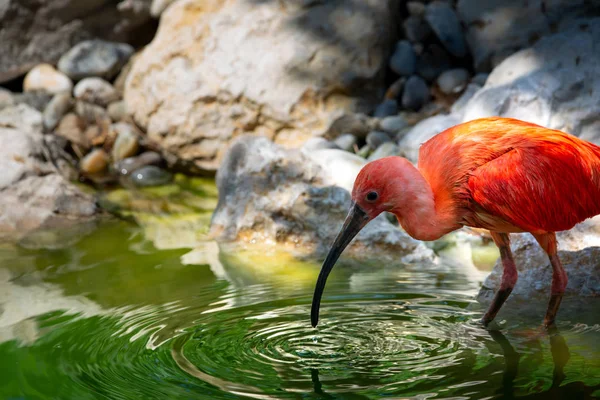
(130, 164)
(271, 195)
(150, 175)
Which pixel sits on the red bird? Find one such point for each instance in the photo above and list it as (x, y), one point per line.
(499, 174)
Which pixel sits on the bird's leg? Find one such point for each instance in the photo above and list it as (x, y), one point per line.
(509, 276)
(559, 277)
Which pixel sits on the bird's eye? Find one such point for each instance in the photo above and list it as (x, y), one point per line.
(372, 196)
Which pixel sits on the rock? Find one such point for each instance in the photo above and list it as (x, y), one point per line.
(94, 162)
(126, 144)
(71, 127)
(404, 59)
(387, 108)
(395, 90)
(338, 167)
(220, 69)
(480, 78)
(416, 93)
(364, 151)
(150, 175)
(424, 131)
(91, 113)
(416, 29)
(459, 105)
(117, 111)
(393, 124)
(60, 104)
(444, 22)
(271, 195)
(319, 143)
(95, 58)
(579, 252)
(6, 98)
(385, 150)
(432, 62)
(21, 117)
(453, 81)
(38, 32)
(345, 142)
(38, 99)
(130, 164)
(376, 139)
(358, 125)
(45, 77)
(158, 6)
(96, 91)
(416, 8)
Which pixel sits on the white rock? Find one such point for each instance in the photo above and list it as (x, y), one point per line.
(96, 91)
(46, 77)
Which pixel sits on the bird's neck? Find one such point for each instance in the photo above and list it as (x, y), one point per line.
(417, 211)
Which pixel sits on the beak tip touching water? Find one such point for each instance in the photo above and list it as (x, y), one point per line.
(357, 218)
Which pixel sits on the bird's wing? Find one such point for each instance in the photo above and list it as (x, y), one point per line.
(539, 188)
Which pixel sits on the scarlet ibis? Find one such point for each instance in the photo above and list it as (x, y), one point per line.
(499, 174)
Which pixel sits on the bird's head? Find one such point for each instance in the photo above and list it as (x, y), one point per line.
(377, 188)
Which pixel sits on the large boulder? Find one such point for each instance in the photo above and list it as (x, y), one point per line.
(268, 194)
(34, 32)
(221, 68)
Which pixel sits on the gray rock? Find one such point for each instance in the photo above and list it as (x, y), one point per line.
(416, 8)
(126, 144)
(337, 166)
(319, 143)
(393, 124)
(268, 194)
(432, 62)
(96, 91)
(188, 93)
(130, 164)
(45, 77)
(21, 117)
(395, 89)
(480, 78)
(6, 98)
(416, 93)
(60, 104)
(376, 139)
(117, 111)
(95, 58)
(356, 124)
(387, 108)
(91, 113)
(150, 175)
(416, 29)
(404, 59)
(385, 150)
(424, 131)
(444, 22)
(453, 81)
(346, 141)
(38, 99)
(460, 104)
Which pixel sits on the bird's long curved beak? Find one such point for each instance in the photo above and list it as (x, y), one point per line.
(357, 218)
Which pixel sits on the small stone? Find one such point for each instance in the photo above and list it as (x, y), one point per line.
(385, 150)
(416, 93)
(393, 124)
(357, 124)
(443, 20)
(37, 99)
(404, 59)
(60, 104)
(416, 29)
(95, 58)
(480, 79)
(91, 113)
(364, 151)
(117, 111)
(395, 90)
(315, 143)
(453, 81)
(432, 62)
(22, 117)
(96, 91)
(45, 77)
(346, 141)
(150, 175)
(376, 139)
(126, 144)
(94, 162)
(416, 8)
(130, 164)
(387, 108)
(6, 98)
(71, 128)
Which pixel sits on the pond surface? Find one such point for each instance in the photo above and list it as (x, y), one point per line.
(114, 317)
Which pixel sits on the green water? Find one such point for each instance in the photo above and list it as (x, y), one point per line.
(114, 317)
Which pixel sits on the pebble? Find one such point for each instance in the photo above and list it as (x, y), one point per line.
(95, 58)
(453, 81)
(21, 116)
(385, 150)
(432, 62)
(117, 111)
(37, 99)
(71, 127)
(416, 8)
(387, 108)
(416, 93)
(150, 175)
(395, 90)
(364, 151)
(45, 77)
(445, 23)
(480, 79)
(404, 59)
(416, 29)
(94, 162)
(346, 141)
(91, 113)
(376, 139)
(126, 144)
(96, 91)
(393, 124)
(130, 164)
(6, 98)
(60, 104)
(315, 143)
